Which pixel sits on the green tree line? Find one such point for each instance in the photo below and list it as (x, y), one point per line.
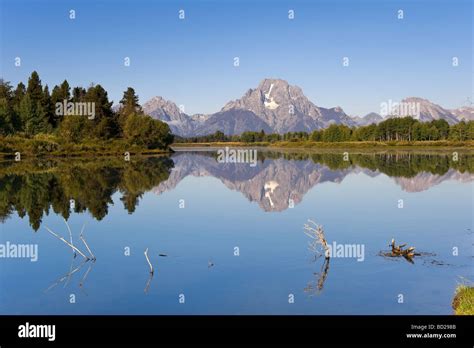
(32, 110)
(392, 129)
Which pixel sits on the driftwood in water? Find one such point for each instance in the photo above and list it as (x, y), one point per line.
(70, 236)
(316, 233)
(319, 246)
(398, 250)
(148, 260)
(81, 236)
(152, 271)
(67, 243)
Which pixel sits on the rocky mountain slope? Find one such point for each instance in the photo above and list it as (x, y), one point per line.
(278, 107)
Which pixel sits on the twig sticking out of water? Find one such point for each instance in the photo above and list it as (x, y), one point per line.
(70, 235)
(81, 236)
(316, 233)
(67, 243)
(148, 260)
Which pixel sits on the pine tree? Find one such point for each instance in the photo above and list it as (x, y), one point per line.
(6, 108)
(78, 94)
(104, 125)
(60, 94)
(34, 90)
(46, 112)
(130, 102)
(39, 119)
(65, 91)
(18, 95)
(129, 105)
(27, 115)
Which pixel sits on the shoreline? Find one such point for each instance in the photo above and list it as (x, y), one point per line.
(46, 148)
(50, 147)
(442, 145)
(313, 144)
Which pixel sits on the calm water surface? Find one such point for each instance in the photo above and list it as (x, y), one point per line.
(260, 210)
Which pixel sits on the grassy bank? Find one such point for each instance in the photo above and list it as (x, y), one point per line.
(350, 144)
(463, 302)
(49, 145)
(221, 144)
(378, 144)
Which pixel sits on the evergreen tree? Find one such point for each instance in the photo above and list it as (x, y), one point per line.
(104, 125)
(39, 119)
(65, 90)
(34, 90)
(60, 94)
(18, 95)
(130, 102)
(27, 115)
(129, 105)
(7, 124)
(78, 94)
(47, 110)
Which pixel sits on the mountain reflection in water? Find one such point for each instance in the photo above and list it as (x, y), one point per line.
(278, 181)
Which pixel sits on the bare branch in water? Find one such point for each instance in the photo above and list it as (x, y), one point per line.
(67, 243)
(316, 233)
(148, 260)
(81, 236)
(319, 246)
(70, 235)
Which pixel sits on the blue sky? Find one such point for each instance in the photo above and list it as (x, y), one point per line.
(190, 61)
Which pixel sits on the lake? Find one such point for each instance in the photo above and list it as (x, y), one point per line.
(228, 238)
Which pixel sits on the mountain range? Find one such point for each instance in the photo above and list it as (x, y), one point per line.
(278, 107)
